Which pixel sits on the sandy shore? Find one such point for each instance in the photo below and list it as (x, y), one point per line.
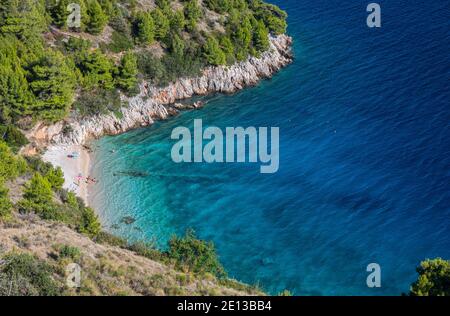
(58, 156)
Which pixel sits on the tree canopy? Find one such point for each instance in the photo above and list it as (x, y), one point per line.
(48, 65)
(433, 280)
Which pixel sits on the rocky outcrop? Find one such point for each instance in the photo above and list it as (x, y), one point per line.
(154, 103)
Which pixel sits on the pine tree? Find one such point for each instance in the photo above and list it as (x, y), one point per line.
(52, 82)
(38, 190)
(15, 97)
(193, 12)
(177, 46)
(97, 18)
(60, 13)
(24, 18)
(97, 70)
(213, 53)
(10, 165)
(177, 21)
(162, 24)
(38, 198)
(276, 25)
(144, 28)
(433, 280)
(5, 203)
(55, 177)
(227, 47)
(90, 224)
(261, 37)
(127, 73)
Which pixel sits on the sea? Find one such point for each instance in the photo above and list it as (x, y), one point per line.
(364, 172)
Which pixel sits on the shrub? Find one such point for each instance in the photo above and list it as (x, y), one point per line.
(90, 224)
(150, 66)
(70, 252)
(13, 137)
(38, 198)
(144, 28)
(109, 239)
(24, 275)
(433, 280)
(5, 203)
(213, 53)
(146, 250)
(119, 43)
(55, 177)
(195, 255)
(126, 78)
(36, 164)
(97, 18)
(97, 101)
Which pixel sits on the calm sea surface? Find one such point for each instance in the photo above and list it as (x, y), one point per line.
(364, 159)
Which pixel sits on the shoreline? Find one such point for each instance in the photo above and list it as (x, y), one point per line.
(57, 155)
(151, 104)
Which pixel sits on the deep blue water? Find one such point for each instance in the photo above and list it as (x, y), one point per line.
(364, 164)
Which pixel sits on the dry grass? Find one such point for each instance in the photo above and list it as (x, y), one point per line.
(106, 270)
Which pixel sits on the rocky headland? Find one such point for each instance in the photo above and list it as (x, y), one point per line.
(156, 103)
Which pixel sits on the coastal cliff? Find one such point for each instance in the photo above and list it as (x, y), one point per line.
(155, 103)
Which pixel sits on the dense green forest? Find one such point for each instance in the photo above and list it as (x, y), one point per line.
(49, 64)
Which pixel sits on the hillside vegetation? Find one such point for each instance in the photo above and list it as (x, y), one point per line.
(43, 228)
(35, 254)
(51, 68)
(50, 65)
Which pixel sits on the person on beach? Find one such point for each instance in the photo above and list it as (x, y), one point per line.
(79, 178)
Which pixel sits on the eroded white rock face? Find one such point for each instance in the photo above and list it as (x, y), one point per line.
(153, 103)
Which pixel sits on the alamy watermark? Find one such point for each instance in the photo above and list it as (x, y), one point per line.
(74, 17)
(73, 275)
(236, 144)
(374, 18)
(374, 278)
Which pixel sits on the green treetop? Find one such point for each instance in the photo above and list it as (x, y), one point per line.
(60, 13)
(97, 70)
(5, 203)
(195, 255)
(52, 82)
(15, 96)
(162, 24)
(260, 36)
(193, 13)
(433, 280)
(127, 72)
(10, 165)
(38, 190)
(97, 18)
(213, 53)
(144, 28)
(177, 21)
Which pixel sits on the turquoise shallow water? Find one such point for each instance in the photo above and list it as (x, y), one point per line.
(364, 159)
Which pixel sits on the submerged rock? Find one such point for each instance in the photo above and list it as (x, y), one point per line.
(127, 220)
(135, 174)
